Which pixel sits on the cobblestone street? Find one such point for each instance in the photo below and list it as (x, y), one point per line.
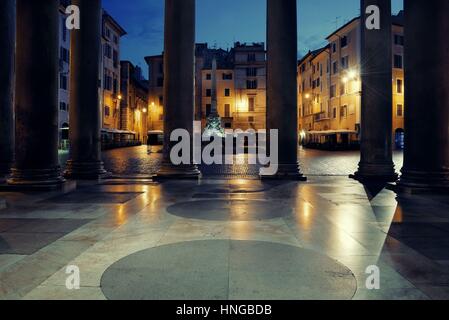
(136, 161)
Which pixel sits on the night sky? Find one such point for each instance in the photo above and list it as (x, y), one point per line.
(222, 22)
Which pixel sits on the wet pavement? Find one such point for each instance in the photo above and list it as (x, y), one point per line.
(135, 161)
(225, 239)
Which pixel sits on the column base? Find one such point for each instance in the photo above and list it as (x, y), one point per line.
(286, 172)
(85, 170)
(419, 182)
(5, 169)
(169, 171)
(375, 173)
(36, 179)
(4, 172)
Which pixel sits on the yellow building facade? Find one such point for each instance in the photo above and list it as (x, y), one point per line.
(241, 86)
(156, 93)
(110, 79)
(329, 89)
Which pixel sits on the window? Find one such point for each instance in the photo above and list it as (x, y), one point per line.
(318, 82)
(334, 113)
(62, 106)
(251, 57)
(251, 72)
(250, 119)
(160, 82)
(399, 86)
(115, 86)
(161, 100)
(251, 104)
(64, 54)
(107, 51)
(251, 84)
(227, 76)
(343, 41)
(115, 39)
(115, 58)
(400, 110)
(343, 111)
(398, 61)
(345, 62)
(333, 91)
(107, 111)
(227, 92)
(227, 108)
(208, 92)
(64, 30)
(107, 81)
(342, 89)
(335, 67)
(63, 81)
(334, 47)
(398, 40)
(208, 110)
(107, 33)
(208, 76)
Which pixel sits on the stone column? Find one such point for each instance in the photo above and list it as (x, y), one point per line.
(85, 116)
(426, 157)
(179, 61)
(36, 104)
(376, 162)
(7, 49)
(282, 109)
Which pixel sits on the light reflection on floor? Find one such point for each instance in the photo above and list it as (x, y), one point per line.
(331, 216)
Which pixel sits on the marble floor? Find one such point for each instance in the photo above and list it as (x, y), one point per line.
(224, 239)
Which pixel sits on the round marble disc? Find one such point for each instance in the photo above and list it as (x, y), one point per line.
(227, 270)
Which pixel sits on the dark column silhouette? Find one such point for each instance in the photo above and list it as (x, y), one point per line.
(179, 62)
(426, 157)
(376, 162)
(85, 115)
(7, 49)
(36, 99)
(282, 109)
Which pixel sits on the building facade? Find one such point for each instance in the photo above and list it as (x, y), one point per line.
(329, 89)
(112, 32)
(156, 92)
(241, 86)
(64, 79)
(134, 102)
(109, 75)
(250, 86)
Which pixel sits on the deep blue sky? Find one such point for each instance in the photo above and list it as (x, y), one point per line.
(221, 22)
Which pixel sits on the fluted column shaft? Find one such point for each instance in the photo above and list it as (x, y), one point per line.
(426, 155)
(282, 110)
(377, 96)
(36, 98)
(7, 49)
(85, 116)
(179, 88)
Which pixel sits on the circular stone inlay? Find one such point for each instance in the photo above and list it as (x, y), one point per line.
(229, 210)
(226, 269)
